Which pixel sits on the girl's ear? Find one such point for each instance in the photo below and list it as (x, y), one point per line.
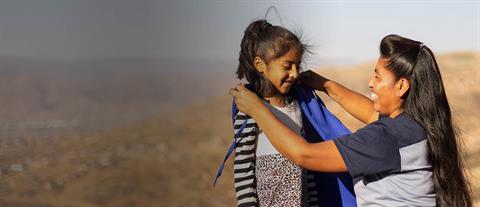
(402, 85)
(259, 64)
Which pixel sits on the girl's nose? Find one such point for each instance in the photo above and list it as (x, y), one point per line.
(294, 72)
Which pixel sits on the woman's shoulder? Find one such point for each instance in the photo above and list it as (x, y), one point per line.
(405, 129)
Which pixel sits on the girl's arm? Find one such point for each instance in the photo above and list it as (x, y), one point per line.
(323, 156)
(354, 103)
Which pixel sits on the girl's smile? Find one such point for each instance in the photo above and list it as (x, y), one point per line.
(289, 83)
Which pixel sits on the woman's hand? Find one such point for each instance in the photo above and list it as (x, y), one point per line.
(246, 101)
(312, 79)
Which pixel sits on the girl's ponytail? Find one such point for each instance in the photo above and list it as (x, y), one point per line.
(248, 48)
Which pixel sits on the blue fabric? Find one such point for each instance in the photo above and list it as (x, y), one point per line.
(334, 189)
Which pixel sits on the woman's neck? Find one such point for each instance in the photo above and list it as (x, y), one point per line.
(396, 113)
(277, 100)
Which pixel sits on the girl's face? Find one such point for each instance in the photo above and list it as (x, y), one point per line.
(283, 71)
(386, 90)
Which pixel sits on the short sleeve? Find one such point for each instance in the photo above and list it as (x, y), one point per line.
(370, 150)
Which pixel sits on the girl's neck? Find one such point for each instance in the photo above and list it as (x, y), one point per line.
(277, 100)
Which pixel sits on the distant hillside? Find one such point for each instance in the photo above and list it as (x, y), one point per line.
(45, 98)
(171, 158)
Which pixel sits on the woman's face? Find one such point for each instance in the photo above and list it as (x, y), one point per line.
(384, 87)
(283, 71)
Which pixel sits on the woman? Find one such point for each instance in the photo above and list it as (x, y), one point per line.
(407, 155)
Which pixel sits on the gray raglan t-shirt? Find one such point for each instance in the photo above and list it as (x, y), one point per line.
(388, 162)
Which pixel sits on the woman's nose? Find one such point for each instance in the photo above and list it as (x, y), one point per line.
(370, 83)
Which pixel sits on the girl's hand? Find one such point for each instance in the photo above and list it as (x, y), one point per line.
(247, 101)
(312, 79)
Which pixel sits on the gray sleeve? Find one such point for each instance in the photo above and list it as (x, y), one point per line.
(369, 151)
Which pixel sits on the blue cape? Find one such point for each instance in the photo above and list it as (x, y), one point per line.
(334, 189)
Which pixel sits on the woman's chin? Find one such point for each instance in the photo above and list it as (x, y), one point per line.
(376, 108)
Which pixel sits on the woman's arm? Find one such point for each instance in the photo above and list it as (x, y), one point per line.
(354, 103)
(322, 156)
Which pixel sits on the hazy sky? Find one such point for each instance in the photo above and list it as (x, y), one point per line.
(212, 30)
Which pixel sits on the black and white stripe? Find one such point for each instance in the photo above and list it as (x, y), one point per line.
(244, 164)
(311, 190)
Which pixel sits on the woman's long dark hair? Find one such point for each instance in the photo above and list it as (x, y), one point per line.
(426, 103)
(268, 42)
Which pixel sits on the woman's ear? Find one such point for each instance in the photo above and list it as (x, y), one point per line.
(259, 64)
(402, 85)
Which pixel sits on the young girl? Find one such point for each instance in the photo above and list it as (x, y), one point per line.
(270, 60)
(407, 155)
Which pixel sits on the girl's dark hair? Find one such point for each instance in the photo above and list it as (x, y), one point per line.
(426, 103)
(267, 42)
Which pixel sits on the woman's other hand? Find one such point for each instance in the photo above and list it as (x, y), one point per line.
(246, 101)
(312, 79)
